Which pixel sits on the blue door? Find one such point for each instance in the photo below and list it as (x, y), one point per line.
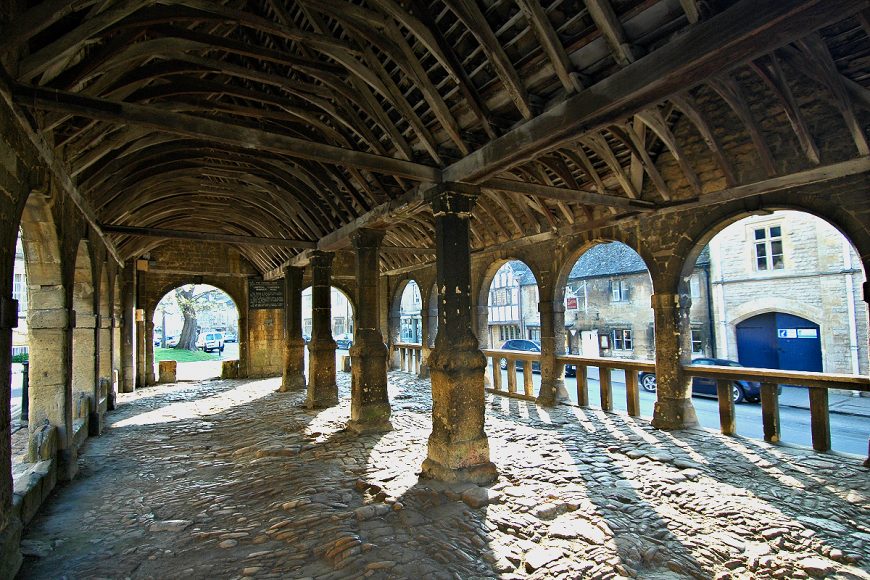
(776, 340)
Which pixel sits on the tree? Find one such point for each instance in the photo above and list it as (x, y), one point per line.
(184, 295)
(193, 299)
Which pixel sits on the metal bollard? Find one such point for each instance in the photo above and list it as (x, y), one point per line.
(25, 391)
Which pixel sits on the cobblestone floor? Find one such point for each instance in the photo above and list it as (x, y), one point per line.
(225, 479)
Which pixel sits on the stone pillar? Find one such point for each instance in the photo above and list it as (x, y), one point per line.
(481, 326)
(369, 402)
(141, 377)
(425, 349)
(10, 522)
(322, 390)
(552, 344)
(673, 408)
(293, 378)
(150, 377)
(128, 328)
(50, 338)
(458, 446)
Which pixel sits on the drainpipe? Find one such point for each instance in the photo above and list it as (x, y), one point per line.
(710, 323)
(850, 306)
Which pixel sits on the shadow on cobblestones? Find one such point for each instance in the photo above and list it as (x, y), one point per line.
(230, 479)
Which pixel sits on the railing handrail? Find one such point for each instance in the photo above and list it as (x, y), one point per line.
(407, 345)
(801, 378)
(513, 354)
(608, 362)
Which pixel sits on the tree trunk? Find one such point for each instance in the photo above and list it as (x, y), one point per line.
(184, 296)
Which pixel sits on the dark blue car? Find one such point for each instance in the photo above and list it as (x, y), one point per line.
(749, 391)
(525, 346)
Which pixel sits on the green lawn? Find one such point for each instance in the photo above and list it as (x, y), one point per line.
(183, 355)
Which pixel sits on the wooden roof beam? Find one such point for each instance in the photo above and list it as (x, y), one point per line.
(54, 164)
(746, 30)
(192, 126)
(207, 237)
(562, 193)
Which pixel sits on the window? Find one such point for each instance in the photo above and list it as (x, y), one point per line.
(306, 327)
(337, 326)
(19, 292)
(534, 334)
(768, 248)
(622, 339)
(619, 291)
(697, 341)
(695, 286)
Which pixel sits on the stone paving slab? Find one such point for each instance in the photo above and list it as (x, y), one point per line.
(228, 479)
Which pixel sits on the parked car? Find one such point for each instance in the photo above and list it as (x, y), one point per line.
(230, 337)
(741, 391)
(344, 341)
(306, 338)
(170, 341)
(209, 341)
(524, 345)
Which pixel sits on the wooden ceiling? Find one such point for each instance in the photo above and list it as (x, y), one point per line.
(281, 126)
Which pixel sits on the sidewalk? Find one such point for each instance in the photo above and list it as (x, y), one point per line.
(842, 402)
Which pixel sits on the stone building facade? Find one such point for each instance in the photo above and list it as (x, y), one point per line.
(807, 269)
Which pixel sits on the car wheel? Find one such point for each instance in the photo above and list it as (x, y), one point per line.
(737, 394)
(648, 382)
(503, 364)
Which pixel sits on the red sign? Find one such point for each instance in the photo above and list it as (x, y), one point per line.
(571, 303)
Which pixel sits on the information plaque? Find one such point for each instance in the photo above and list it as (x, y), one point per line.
(264, 295)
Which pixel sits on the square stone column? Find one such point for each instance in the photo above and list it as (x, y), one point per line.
(458, 446)
(552, 344)
(293, 378)
(128, 328)
(369, 403)
(322, 390)
(673, 408)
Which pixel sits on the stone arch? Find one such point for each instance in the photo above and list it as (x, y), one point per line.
(84, 355)
(153, 300)
(47, 320)
(483, 292)
(834, 332)
(396, 306)
(596, 314)
(430, 304)
(345, 290)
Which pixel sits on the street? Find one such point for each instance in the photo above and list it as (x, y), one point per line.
(849, 433)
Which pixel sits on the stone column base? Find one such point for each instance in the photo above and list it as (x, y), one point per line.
(294, 382)
(365, 427)
(10, 552)
(672, 414)
(481, 474)
(552, 393)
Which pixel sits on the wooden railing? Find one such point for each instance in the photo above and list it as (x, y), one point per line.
(605, 367)
(410, 356)
(818, 384)
(512, 357)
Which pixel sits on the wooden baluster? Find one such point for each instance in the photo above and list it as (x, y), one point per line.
(606, 389)
(418, 359)
(582, 387)
(512, 375)
(820, 419)
(632, 395)
(770, 411)
(496, 374)
(528, 385)
(726, 407)
(403, 352)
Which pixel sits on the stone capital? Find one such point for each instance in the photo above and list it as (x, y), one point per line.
(367, 238)
(321, 259)
(453, 202)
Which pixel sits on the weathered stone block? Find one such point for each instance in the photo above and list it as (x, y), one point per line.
(167, 370)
